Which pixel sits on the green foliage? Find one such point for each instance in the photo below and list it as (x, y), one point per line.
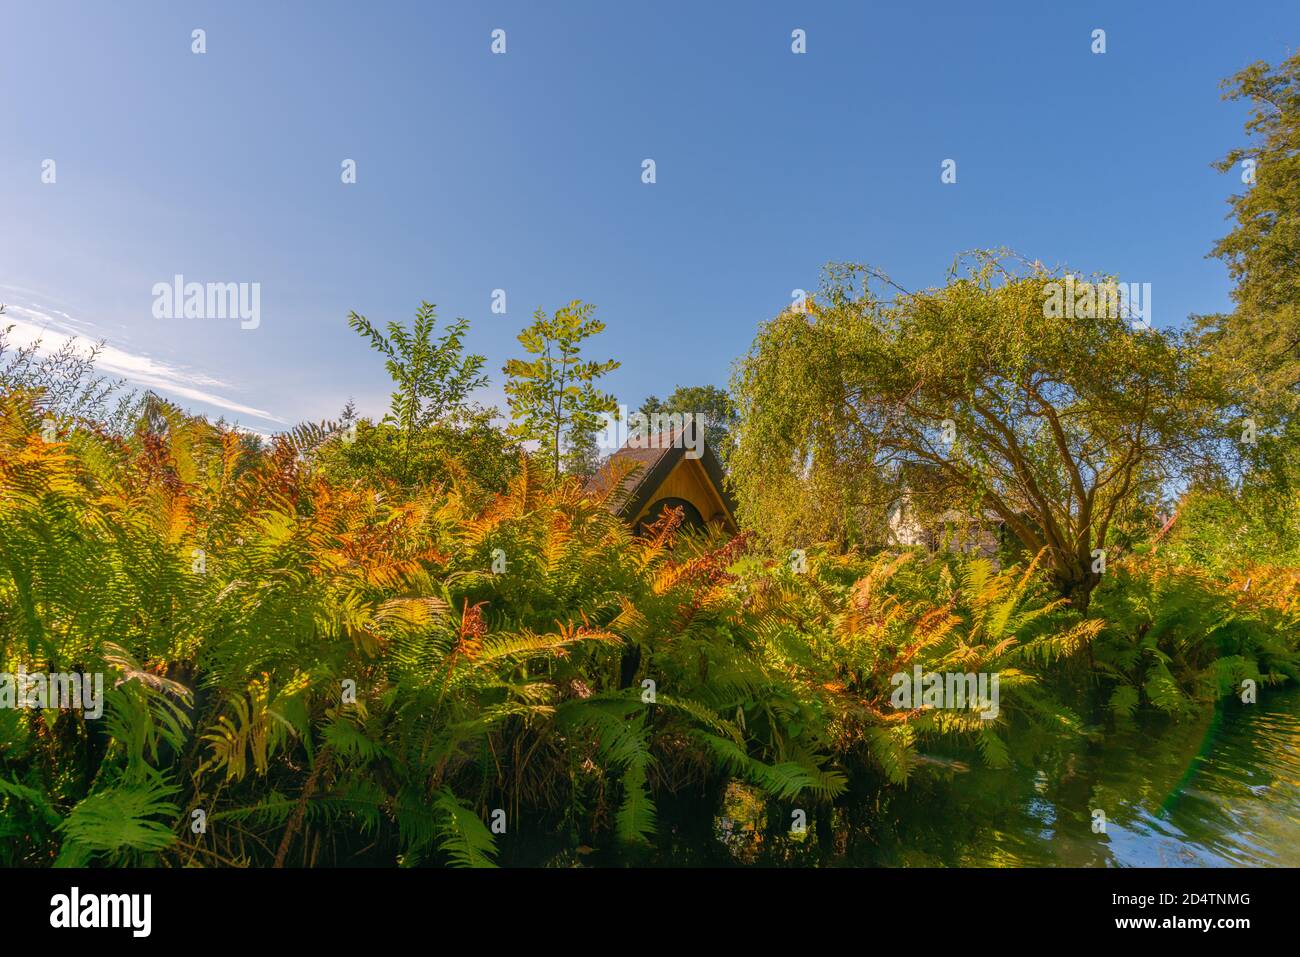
(359, 641)
(433, 377)
(1224, 530)
(1058, 423)
(119, 819)
(229, 593)
(464, 838)
(1176, 637)
(707, 401)
(635, 821)
(463, 443)
(1258, 339)
(846, 627)
(64, 381)
(553, 397)
(478, 685)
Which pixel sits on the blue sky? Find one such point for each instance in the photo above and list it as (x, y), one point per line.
(523, 171)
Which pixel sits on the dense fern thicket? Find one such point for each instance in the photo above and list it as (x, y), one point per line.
(306, 667)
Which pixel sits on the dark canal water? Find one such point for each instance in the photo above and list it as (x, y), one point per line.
(1223, 790)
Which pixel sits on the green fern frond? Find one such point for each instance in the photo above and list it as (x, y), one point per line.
(121, 818)
(465, 839)
(635, 821)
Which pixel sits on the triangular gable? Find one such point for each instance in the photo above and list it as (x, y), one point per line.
(650, 469)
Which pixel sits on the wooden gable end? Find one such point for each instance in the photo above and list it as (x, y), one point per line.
(688, 481)
(650, 474)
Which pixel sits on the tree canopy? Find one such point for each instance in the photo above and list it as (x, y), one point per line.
(1261, 337)
(975, 394)
(710, 402)
(553, 397)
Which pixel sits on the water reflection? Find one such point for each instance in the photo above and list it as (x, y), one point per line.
(1220, 791)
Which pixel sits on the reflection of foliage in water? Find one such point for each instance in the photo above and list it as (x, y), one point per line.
(1223, 789)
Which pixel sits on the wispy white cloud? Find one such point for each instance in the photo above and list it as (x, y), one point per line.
(50, 330)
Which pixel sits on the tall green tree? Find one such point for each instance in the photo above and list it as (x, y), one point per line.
(980, 396)
(553, 396)
(1261, 337)
(1256, 347)
(433, 375)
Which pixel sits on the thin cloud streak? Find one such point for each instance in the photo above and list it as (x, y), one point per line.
(50, 331)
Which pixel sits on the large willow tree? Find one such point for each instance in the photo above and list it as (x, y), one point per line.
(977, 396)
